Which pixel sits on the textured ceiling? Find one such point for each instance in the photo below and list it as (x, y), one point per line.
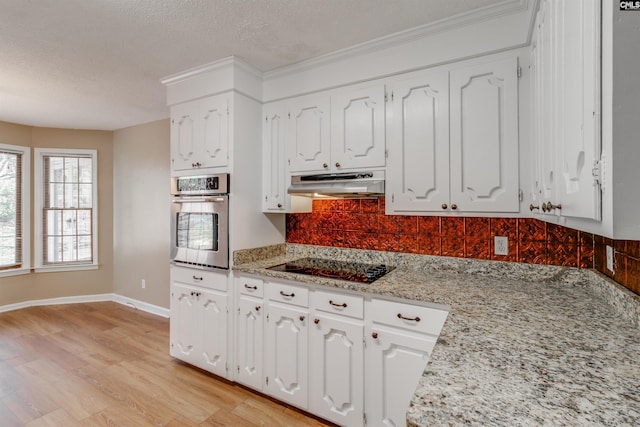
(97, 64)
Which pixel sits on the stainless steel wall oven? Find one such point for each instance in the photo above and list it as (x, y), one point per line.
(200, 221)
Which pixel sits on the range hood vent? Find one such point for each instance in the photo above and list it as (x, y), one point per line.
(345, 185)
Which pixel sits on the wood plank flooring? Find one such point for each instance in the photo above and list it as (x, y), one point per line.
(105, 364)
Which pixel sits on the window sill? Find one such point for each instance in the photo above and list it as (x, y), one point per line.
(15, 272)
(57, 268)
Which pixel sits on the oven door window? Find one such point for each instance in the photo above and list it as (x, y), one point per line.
(197, 231)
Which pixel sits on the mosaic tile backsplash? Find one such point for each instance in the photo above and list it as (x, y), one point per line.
(362, 224)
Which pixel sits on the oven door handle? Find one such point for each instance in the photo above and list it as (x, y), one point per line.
(201, 200)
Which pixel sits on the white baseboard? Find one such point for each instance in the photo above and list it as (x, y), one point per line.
(141, 305)
(138, 305)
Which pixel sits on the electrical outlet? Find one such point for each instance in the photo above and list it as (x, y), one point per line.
(610, 258)
(501, 245)
(143, 283)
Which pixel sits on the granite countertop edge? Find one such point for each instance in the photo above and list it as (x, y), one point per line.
(522, 344)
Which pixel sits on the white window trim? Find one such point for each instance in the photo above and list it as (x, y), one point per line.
(26, 210)
(38, 177)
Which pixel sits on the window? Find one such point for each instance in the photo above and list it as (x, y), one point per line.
(66, 208)
(14, 209)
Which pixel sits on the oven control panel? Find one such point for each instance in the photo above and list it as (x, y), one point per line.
(200, 185)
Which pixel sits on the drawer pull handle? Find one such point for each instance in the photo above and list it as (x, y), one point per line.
(316, 321)
(284, 294)
(302, 318)
(343, 305)
(197, 278)
(411, 319)
(250, 287)
(374, 335)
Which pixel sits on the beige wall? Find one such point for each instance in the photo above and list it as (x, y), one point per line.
(141, 212)
(37, 286)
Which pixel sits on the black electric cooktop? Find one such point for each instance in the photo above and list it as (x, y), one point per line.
(340, 270)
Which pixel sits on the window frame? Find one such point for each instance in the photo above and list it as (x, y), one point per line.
(39, 193)
(25, 205)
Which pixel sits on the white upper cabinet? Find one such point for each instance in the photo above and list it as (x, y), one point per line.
(309, 132)
(418, 172)
(566, 111)
(200, 133)
(484, 137)
(357, 128)
(342, 129)
(453, 143)
(275, 178)
(274, 157)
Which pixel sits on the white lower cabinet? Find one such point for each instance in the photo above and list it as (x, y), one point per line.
(249, 332)
(198, 331)
(287, 355)
(336, 360)
(343, 356)
(249, 342)
(394, 364)
(399, 343)
(199, 319)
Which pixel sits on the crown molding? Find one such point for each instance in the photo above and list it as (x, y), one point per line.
(231, 61)
(507, 7)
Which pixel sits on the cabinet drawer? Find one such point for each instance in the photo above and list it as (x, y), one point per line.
(290, 294)
(250, 286)
(339, 303)
(416, 318)
(206, 279)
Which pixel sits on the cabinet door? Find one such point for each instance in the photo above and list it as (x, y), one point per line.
(394, 364)
(548, 103)
(183, 331)
(418, 171)
(484, 137)
(249, 349)
(212, 355)
(357, 128)
(287, 354)
(184, 135)
(336, 377)
(214, 131)
(309, 133)
(274, 157)
(578, 47)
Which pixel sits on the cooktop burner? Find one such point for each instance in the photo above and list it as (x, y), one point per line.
(340, 270)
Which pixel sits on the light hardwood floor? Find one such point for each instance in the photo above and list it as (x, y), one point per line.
(105, 364)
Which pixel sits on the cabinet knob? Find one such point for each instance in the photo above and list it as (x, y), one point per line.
(279, 205)
(532, 207)
(337, 164)
(324, 165)
(316, 321)
(374, 335)
(454, 206)
(550, 206)
(257, 308)
(302, 318)
(444, 206)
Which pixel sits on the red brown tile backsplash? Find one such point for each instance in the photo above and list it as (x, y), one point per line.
(362, 224)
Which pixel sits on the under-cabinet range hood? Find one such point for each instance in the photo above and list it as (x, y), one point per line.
(345, 184)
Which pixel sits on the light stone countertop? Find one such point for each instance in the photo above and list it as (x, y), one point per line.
(522, 344)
